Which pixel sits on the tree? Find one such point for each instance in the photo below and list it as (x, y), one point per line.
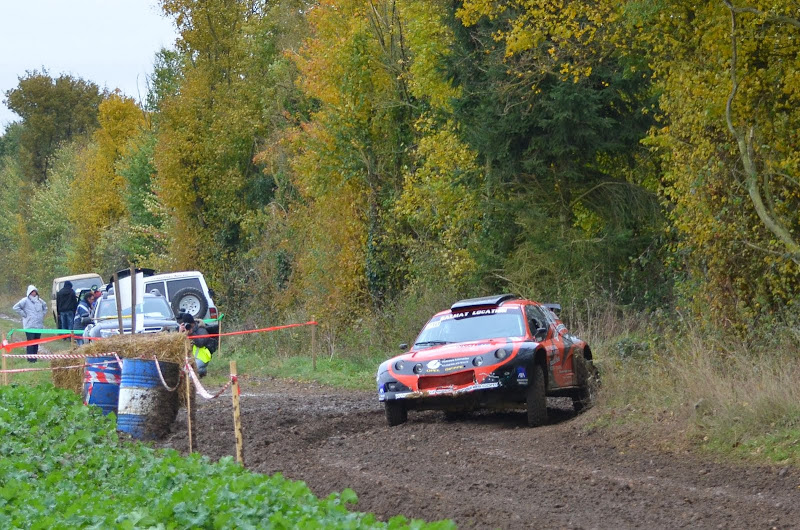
(727, 137)
(52, 111)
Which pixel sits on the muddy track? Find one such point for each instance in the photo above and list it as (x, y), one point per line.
(487, 470)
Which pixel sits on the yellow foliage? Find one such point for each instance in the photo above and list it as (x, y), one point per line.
(97, 188)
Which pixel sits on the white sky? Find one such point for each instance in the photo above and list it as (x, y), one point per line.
(109, 42)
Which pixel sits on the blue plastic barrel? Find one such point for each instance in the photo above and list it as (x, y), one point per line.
(101, 378)
(146, 409)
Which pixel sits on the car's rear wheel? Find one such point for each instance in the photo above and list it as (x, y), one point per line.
(190, 300)
(396, 412)
(589, 381)
(536, 398)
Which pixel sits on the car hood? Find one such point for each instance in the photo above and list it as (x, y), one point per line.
(458, 349)
(126, 322)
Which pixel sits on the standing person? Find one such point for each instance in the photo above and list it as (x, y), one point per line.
(82, 314)
(66, 303)
(32, 308)
(201, 346)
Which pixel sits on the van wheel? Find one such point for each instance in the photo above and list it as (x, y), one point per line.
(190, 300)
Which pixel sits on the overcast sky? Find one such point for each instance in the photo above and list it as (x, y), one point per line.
(109, 42)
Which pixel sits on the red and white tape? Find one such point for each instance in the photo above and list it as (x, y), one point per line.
(56, 355)
(201, 390)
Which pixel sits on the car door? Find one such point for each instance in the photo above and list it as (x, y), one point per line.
(559, 349)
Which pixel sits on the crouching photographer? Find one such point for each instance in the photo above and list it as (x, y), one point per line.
(203, 346)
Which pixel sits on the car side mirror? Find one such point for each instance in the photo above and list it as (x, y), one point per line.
(541, 333)
(404, 346)
(211, 293)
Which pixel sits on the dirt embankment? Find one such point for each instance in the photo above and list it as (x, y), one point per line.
(487, 470)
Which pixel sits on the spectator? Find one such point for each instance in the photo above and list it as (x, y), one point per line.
(32, 308)
(201, 345)
(66, 303)
(83, 314)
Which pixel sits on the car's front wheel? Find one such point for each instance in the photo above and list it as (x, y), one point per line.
(396, 412)
(536, 398)
(589, 380)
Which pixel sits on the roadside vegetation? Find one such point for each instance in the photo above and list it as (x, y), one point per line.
(57, 454)
(366, 164)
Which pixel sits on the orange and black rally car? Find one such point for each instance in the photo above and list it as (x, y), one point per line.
(495, 352)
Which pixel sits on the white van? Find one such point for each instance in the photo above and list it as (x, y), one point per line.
(186, 291)
(80, 283)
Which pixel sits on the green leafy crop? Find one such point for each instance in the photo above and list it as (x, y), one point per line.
(62, 466)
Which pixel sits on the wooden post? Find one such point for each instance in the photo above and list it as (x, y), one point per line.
(314, 346)
(5, 351)
(237, 417)
(219, 339)
(133, 300)
(119, 302)
(188, 393)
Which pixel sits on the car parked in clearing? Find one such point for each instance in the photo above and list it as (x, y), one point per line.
(80, 284)
(186, 291)
(155, 313)
(499, 351)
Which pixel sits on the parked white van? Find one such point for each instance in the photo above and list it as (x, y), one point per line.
(186, 291)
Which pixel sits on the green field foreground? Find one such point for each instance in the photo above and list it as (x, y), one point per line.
(63, 466)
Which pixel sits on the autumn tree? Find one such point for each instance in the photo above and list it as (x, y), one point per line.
(728, 137)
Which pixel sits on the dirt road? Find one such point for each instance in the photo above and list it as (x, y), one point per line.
(487, 470)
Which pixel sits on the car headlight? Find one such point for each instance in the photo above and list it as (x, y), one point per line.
(418, 368)
(477, 361)
(501, 354)
(105, 333)
(398, 366)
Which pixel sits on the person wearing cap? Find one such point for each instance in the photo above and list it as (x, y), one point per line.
(32, 309)
(201, 343)
(66, 304)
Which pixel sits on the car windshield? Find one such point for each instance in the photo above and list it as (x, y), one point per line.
(84, 283)
(472, 325)
(151, 308)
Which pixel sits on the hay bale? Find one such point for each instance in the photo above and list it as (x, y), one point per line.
(169, 347)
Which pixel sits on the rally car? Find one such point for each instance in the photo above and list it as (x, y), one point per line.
(500, 351)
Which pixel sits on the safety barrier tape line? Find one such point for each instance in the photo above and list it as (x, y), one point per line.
(19, 370)
(57, 355)
(274, 328)
(161, 376)
(11, 345)
(200, 389)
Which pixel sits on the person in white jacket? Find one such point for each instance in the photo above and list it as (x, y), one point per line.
(33, 309)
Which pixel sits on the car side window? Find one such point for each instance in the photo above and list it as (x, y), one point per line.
(177, 285)
(156, 285)
(536, 320)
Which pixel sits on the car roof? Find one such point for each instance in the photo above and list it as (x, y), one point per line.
(172, 275)
(78, 277)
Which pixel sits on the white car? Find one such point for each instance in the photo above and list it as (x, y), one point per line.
(186, 291)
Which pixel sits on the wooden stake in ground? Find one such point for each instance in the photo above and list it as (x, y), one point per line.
(133, 300)
(5, 374)
(119, 302)
(237, 417)
(219, 339)
(314, 346)
(188, 395)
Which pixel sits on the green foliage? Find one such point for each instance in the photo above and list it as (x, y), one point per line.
(52, 111)
(63, 467)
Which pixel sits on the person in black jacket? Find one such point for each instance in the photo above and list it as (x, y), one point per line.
(66, 303)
